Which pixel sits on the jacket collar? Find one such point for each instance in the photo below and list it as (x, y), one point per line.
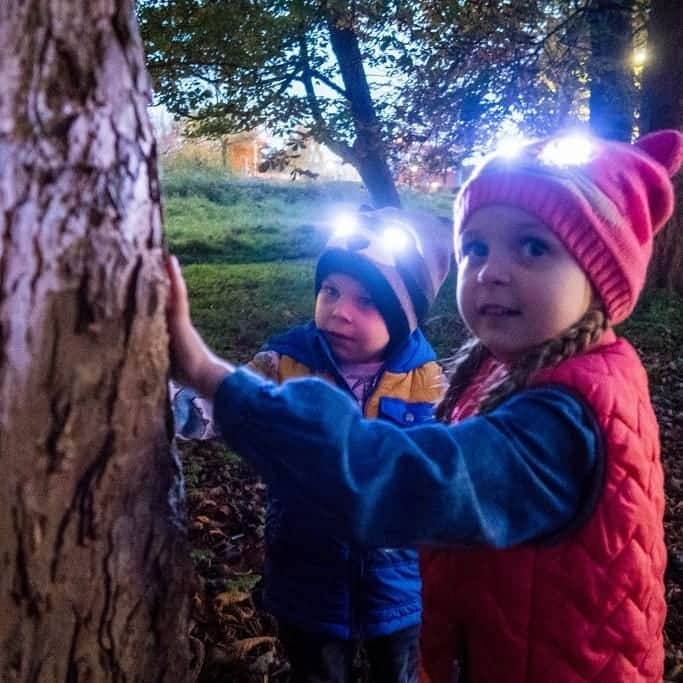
(307, 345)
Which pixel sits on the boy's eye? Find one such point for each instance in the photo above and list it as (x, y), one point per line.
(534, 247)
(366, 302)
(475, 248)
(329, 291)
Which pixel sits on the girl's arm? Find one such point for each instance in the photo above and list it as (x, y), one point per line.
(525, 471)
(192, 363)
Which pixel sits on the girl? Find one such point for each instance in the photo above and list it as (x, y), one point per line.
(546, 482)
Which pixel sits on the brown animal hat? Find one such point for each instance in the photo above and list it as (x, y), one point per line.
(401, 257)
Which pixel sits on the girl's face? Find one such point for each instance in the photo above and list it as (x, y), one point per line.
(350, 321)
(517, 284)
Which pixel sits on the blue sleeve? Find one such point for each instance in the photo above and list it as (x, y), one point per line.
(525, 471)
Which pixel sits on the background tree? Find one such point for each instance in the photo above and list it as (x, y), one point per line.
(295, 65)
(610, 68)
(427, 82)
(95, 563)
(662, 107)
(367, 79)
(471, 72)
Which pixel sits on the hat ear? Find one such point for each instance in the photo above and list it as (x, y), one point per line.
(666, 147)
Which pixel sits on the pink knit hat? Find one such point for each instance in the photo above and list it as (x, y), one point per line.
(605, 209)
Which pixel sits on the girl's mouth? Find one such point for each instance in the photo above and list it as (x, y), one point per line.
(498, 311)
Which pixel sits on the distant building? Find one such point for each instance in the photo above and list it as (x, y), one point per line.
(416, 178)
(243, 153)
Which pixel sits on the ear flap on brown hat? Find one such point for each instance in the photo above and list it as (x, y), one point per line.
(666, 147)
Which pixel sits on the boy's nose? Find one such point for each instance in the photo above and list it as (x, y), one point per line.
(342, 308)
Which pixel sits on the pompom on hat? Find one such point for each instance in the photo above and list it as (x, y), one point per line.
(605, 206)
(402, 258)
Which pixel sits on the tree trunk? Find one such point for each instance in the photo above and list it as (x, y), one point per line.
(662, 107)
(95, 564)
(609, 68)
(369, 149)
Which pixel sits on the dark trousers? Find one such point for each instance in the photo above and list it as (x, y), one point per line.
(319, 658)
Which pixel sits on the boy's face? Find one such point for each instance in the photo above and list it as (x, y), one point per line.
(346, 314)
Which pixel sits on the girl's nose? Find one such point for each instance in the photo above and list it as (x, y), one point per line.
(495, 271)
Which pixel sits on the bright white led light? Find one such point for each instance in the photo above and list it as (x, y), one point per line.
(510, 147)
(640, 57)
(571, 150)
(345, 224)
(395, 239)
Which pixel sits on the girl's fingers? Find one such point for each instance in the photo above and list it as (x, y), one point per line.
(178, 298)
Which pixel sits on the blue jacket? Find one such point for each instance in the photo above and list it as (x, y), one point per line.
(317, 581)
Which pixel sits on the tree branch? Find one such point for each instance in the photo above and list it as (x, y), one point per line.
(329, 83)
(339, 148)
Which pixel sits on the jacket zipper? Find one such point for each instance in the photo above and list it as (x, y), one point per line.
(357, 562)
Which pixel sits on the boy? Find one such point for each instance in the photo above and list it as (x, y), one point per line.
(374, 284)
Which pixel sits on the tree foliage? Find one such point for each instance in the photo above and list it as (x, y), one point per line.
(438, 81)
(471, 67)
(441, 75)
(296, 66)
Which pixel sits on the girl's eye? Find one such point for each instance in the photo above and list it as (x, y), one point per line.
(474, 248)
(329, 292)
(534, 247)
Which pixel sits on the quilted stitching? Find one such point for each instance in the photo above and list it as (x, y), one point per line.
(594, 603)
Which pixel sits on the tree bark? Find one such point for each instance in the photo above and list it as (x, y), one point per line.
(94, 557)
(662, 107)
(609, 68)
(369, 151)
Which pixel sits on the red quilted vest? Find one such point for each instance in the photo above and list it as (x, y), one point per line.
(589, 607)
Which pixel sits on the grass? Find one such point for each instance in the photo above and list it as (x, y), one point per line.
(237, 306)
(213, 217)
(248, 252)
(657, 323)
(202, 231)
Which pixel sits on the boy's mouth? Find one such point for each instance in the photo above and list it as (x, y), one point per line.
(337, 336)
(497, 311)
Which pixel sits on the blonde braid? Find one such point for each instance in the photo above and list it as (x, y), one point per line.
(573, 341)
(461, 371)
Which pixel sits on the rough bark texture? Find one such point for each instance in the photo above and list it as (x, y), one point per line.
(662, 107)
(94, 562)
(609, 68)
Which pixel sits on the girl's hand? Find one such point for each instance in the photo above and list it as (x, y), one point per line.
(192, 363)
